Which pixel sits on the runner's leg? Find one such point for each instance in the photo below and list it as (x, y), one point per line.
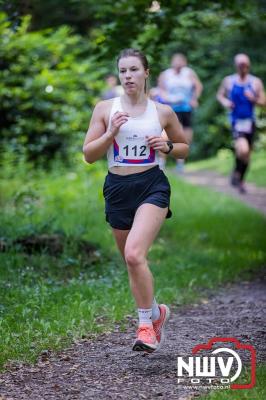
(189, 134)
(147, 222)
(121, 238)
(188, 131)
(242, 149)
(242, 152)
(146, 225)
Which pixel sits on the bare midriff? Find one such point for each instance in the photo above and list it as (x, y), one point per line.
(129, 170)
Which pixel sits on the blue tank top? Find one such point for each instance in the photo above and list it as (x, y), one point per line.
(243, 107)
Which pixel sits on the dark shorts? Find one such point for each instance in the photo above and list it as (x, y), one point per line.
(124, 194)
(185, 118)
(250, 137)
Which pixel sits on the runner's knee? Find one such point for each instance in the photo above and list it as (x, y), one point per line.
(243, 154)
(134, 256)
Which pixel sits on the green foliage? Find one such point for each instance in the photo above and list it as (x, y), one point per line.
(81, 14)
(48, 85)
(33, 61)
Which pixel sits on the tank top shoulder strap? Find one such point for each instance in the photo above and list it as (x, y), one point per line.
(152, 112)
(116, 106)
(251, 80)
(151, 107)
(233, 80)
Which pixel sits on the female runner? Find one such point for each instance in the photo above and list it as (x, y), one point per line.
(137, 193)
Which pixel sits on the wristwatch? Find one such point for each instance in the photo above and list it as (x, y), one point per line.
(170, 145)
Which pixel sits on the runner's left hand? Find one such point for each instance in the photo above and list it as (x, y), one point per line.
(157, 143)
(250, 95)
(194, 103)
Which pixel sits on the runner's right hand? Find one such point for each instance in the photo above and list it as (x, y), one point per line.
(229, 104)
(119, 118)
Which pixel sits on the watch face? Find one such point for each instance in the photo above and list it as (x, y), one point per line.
(170, 145)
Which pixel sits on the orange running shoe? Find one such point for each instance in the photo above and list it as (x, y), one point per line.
(146, 339)
(159, 324)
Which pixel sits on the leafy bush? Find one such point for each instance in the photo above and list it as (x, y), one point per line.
(48, 83)
(51, 77)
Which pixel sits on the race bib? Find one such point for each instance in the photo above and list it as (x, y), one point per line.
(244, 125)
(133, 150)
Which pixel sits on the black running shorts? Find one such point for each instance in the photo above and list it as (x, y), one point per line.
(185, 118)
(250, 137)
(124, 194)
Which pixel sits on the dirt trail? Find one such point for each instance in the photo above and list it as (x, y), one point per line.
(255, 196)
(106, 368)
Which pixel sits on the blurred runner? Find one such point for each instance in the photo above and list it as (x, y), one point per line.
(239, 93)
(179, 87)
(113, 89)
(157, 94)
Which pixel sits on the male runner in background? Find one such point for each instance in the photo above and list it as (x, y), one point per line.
(239, 93)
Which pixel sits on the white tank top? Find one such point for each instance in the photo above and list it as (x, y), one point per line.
(129, 147)
(179, 86)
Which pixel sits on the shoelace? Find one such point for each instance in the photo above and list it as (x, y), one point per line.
(146, 330)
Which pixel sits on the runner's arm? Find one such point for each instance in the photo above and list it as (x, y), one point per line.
(162, 91)
(222, 94)
(174, 132)
(97, 140)
(197, 85)
(261, 98)
(161, 81)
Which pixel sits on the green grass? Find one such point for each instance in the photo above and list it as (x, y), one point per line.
(258, 392)
(224, 161)
(47, 301)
